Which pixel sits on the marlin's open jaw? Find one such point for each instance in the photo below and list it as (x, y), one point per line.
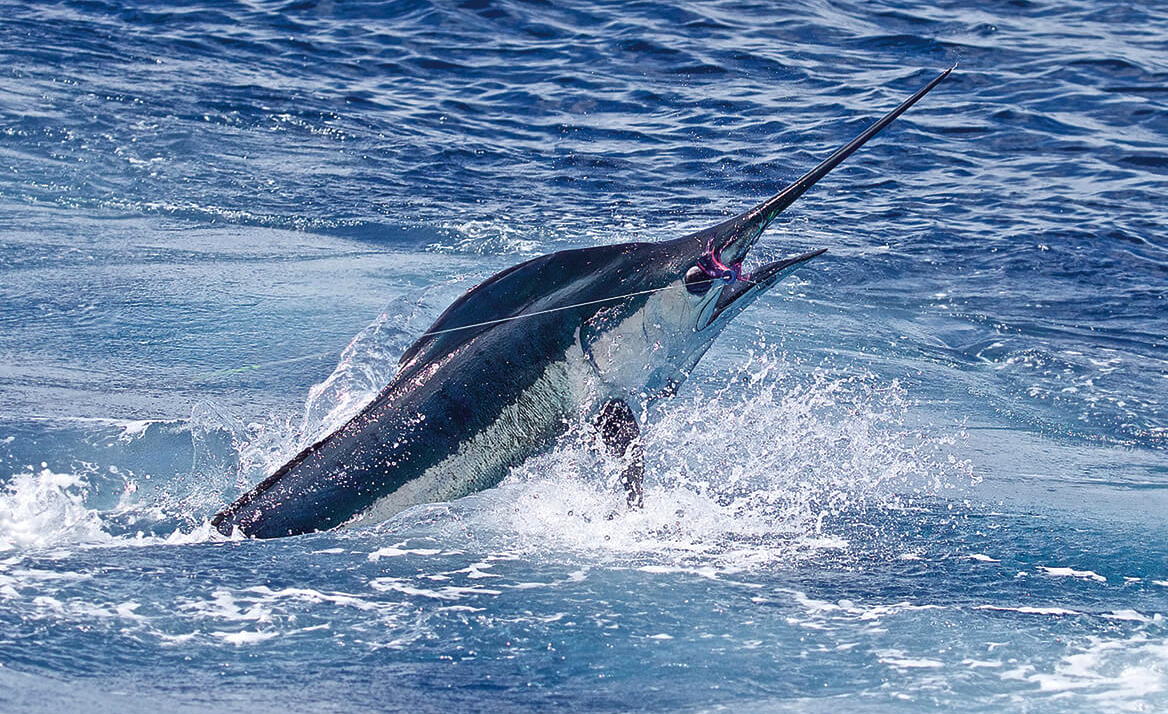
(500, 374)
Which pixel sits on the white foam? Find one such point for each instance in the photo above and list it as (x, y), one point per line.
(452, 592)
(878, 611)
(267, 607)
(709, 573)
(45, 509)
(475, 571)
(396, 551)
(246, 638)
(1029, 610)
(1104, 675)
(897, 658)
(1130, 616)
(134, 429)
(224, 606)
(313, 596)
(1072, 573)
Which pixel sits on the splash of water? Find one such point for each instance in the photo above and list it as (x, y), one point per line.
(743, 474)
(42, 508)
(755, 473)
(367, 364)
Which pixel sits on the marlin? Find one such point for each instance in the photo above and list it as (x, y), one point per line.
(579, 334)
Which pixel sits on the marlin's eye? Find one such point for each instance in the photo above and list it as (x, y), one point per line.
(697, 282)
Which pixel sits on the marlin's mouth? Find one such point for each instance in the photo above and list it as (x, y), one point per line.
(759, 280)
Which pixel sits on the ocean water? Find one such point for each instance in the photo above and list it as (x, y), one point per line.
(930, 471)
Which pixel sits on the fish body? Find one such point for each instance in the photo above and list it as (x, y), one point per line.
(512, 363)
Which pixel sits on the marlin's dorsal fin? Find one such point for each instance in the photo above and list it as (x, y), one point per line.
(538, 284)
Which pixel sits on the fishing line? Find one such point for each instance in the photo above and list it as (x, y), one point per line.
(721, 276)
(544, 312)
(248, 368)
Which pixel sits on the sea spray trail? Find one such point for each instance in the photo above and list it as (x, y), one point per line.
(945, 482)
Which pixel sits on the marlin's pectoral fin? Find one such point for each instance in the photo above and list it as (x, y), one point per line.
(618, 429)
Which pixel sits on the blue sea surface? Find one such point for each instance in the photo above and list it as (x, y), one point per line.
(928, 472)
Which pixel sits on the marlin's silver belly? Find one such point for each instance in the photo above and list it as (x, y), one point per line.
(528, 424)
